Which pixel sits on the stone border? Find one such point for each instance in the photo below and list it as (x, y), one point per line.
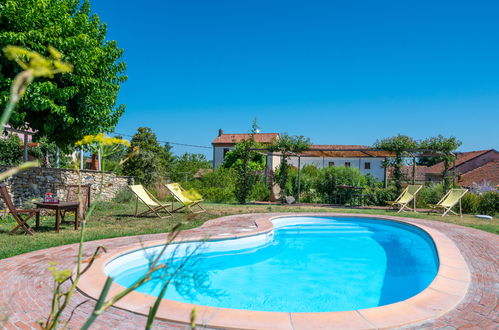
(444, 293)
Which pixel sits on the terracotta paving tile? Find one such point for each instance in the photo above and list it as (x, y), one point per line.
(338, 320)
(25, 285)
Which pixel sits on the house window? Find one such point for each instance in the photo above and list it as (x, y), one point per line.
(226, 150)
(347, 164)
(367, 165)
(331, 164)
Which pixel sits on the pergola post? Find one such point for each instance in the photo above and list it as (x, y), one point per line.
(299, 179)
(25, 149)
(385, 174)
(81, 159)
(413, 169)
(57, 157)
(99, 160)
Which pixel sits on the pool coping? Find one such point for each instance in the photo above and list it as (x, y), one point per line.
(442, 295)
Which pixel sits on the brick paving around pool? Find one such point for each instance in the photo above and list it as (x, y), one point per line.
(25, 283)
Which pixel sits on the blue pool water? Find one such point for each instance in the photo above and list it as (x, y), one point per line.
(308, 264)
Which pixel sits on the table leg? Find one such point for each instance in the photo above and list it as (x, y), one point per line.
(37, 220)
(76, 218)
(57, 219)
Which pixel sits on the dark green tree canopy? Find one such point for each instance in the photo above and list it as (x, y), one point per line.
(70, 105)
(148, 166)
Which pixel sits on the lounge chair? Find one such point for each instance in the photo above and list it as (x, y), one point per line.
(149, 200)
(16, 213)
(450, 199)
(408, 195)
(188, 199)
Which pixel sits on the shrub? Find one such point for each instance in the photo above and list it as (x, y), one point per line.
(160, 191)
(430, 194)
(488, 203)
(259, 192)
(469, 203)
(124, 195)
(379, 196)
(218, 195)
(217, 186)
(10, 150)
(330, 178)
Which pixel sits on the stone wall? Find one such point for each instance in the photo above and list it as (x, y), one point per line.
(36, 181)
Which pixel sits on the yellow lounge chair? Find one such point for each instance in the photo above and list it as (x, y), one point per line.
(149, 200)
(450, 199)
(408, 195)
(188, 199)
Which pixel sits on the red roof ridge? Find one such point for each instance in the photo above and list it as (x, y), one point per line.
(477, 153)
(228, 138)
(467, 178)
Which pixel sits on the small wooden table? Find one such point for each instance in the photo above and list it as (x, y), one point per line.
(58, 207)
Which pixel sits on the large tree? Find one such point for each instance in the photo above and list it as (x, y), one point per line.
(149, 165)
(70, 105)
(400, 145)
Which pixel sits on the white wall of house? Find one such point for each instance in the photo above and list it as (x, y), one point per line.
(218, 155)
(366, 165)
(374, 165)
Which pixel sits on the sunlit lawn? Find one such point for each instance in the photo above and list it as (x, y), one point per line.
(116, 219)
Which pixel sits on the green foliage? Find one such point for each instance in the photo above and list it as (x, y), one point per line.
(469, 203)
(287, 146)
(49, 148)
(445, 147)
(149, 165)
(217, 186)
(331, 177)
(259, 192)
(400, 145)
(488, 203)
(124, 195)
(10, 150)
(379, 196)
(184, 167)
(70, 105)
(430, 195)
(247, 165)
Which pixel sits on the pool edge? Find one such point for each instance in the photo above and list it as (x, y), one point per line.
(442, 295)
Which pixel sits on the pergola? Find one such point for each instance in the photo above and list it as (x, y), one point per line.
(352, 152)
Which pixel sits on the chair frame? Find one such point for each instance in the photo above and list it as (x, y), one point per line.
(404, 206)
(151, 209)
(186, 206)
(16, 213)
(83, 205)
(448, 209)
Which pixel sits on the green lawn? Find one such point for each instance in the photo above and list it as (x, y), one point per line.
(114, 220)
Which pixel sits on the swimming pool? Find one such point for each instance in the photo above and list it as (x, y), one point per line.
(307, 264)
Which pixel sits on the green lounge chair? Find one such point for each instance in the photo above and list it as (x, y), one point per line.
(450, 199)
(188, 199)
(149, 200)
(408, 195)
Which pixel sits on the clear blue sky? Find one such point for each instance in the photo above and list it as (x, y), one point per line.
(339, 72)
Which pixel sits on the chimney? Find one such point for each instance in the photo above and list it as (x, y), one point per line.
(220, 132)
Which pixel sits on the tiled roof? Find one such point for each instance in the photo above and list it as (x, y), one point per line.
(407, 171)
(337, 147)
(488, 172)
(461, 158)
(235, 138)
